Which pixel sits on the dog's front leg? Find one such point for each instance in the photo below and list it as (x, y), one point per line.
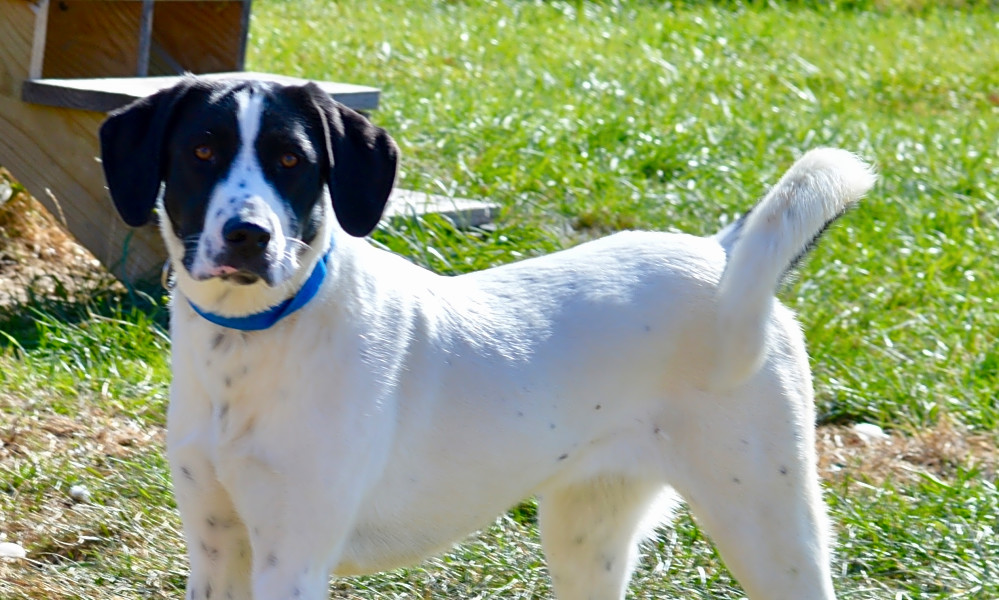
(217, 542)
(297, 527)
(298, 495)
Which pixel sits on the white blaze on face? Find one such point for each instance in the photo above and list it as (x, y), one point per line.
(245, 194)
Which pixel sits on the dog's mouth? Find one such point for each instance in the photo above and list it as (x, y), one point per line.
(241, 278)
(232, 274)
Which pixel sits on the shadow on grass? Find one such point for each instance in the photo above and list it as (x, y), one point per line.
(51, 299)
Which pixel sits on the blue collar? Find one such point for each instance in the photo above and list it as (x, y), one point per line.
(268, 318)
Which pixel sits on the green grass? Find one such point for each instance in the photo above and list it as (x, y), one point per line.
(580, 119)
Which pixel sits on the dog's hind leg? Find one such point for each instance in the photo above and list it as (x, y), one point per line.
(750, 479)
(590, 533)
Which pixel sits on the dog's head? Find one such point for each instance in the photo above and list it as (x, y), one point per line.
(247, 173)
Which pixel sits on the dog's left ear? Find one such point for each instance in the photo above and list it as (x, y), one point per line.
(361, 160)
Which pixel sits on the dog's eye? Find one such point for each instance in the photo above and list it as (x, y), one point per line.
(203, 152)
(289, 160)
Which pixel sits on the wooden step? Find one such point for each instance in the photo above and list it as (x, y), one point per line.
(405, 204)
(108, 93)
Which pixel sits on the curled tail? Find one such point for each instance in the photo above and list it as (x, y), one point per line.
(767, 242)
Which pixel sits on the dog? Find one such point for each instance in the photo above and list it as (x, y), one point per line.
(337, 410)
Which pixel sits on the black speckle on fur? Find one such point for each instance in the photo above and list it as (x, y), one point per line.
(211, 551)
(563, 457)
(217, 340)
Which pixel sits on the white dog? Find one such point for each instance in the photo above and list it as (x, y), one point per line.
(336, 409)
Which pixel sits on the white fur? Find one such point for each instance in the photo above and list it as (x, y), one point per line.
(401, 410)
(816, 190)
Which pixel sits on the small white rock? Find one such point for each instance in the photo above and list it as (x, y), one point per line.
(6, 191)
(869, 432)
(12, 550)
(79, 493)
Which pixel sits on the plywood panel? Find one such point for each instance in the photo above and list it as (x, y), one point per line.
(200, 37)
(92, 39)
(17, 24)
(53, 152)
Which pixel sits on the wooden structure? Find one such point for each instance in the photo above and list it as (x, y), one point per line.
(65, 63)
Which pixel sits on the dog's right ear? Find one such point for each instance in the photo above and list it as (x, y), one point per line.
(132, 151)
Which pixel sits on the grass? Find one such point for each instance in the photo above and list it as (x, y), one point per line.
(581, 118)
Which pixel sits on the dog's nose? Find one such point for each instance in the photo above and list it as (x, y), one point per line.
(245, 238)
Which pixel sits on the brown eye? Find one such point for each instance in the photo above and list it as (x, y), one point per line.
(289, 160)
(203, 152)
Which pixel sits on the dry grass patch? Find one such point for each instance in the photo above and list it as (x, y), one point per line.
(850, 453)
(88, 499)
(37, 256)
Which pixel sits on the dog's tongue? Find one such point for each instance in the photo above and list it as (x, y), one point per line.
(223, 270)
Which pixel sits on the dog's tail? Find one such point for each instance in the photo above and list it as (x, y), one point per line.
(767, 242)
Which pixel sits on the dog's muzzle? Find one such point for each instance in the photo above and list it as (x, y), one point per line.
(244, 256)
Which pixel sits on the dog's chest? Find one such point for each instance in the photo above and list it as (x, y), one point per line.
(239, 371)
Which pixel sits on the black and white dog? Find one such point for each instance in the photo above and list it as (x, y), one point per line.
(336, 409)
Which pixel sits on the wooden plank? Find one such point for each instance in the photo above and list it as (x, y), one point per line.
(38, 43)
(200, 37)
(145, 39)
(460, 211)
(92, 39)
(17, 25)
(106, 94)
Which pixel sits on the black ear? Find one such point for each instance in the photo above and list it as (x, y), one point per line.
(362, 160)
(132, 151)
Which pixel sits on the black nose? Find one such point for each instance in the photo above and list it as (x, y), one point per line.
(245, 238)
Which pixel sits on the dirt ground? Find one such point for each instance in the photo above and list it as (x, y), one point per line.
(37, 255)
